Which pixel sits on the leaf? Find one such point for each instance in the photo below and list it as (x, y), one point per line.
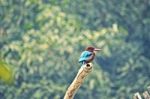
(6, 73)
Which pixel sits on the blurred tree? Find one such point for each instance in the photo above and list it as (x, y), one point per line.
(43, 39)
(6, 74)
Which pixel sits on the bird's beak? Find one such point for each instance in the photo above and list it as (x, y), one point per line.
(97, 49)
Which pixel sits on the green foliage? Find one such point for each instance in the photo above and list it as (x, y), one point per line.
(6, 74)
(43, 39)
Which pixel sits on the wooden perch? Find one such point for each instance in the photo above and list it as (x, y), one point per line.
(82, 73)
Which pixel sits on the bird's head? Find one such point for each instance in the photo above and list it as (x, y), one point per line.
(92, 49)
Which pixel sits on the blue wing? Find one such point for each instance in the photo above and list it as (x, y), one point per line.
(84, 56)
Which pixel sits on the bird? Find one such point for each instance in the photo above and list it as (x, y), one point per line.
(88, 55)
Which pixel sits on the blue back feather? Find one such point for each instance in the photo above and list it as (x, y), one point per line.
(84, 56)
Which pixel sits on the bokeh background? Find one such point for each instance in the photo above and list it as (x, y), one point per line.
(41, 40)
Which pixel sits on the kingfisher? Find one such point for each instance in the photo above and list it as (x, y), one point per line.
(88, 55)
